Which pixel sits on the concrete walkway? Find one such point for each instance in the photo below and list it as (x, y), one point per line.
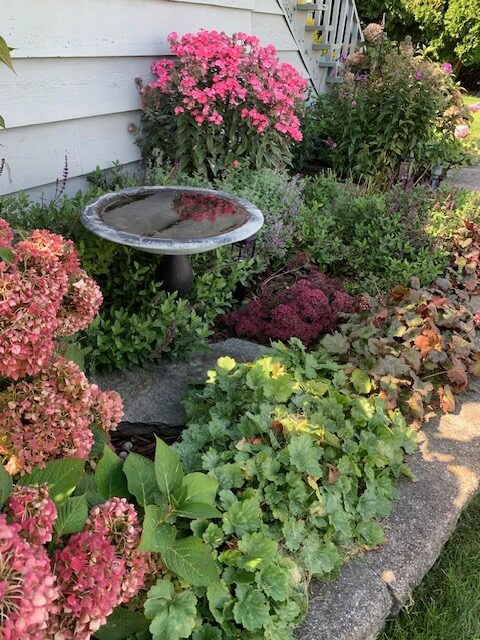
(465, 177)
(377, 584)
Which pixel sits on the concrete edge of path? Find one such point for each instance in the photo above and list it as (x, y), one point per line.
(375, 585)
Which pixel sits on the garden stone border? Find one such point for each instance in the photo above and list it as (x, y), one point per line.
(375, 585)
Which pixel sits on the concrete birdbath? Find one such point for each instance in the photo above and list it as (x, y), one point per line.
(173, 221)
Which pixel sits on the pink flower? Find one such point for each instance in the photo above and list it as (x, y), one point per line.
(118, 521)
(33, 509)
(462, 131)
(419, 75)
(6, 234)
(354, 104)
(106, 408)
(475, 107)
(235, 163)
(447, 68)
(27, 587)
(79, 306)
(89, 578)
(330, 143)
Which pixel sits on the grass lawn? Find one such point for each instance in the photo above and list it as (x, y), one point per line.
(475, 125)
(446, 606)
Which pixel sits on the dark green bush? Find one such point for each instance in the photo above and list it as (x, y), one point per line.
(373, 238)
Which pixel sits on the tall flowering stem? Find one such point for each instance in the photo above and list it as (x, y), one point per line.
(223, 98)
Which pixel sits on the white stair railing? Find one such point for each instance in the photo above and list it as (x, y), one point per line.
(324, 32)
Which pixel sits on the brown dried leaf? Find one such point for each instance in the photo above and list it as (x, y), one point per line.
(447, 401)
(428, 340)
(333, 473)
(457, 374)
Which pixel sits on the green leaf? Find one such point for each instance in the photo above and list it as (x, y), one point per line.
(71, 516)
(101, 438)
(304, 455)
(196, 510)
(200, 488)
(141, 479)
(294, 532)
(257, 549)
(335, 343)
(371, 533)
(5, 254)
(5, 56)
(173, 615)
(76, 355)
(5, 485)
(109, 476)
(251, 609)
(208, 632)
(156, 535)
(121, 624)
(274, 581)
(320, 559)
(168, 469)
(243, 517)
(61, 476)
(191, 560)
(361, 381)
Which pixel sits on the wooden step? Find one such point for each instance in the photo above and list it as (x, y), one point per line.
(318, 27)
(310, 6)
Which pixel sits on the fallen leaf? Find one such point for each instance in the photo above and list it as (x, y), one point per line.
(333, 473)
(457, 374)
(428, 340)
(447, 401)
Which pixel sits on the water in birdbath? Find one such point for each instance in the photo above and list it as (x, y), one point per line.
(175, 214)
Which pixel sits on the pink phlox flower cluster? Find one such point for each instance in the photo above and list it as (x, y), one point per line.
(475, 107)
(214, 73)
(80, 305)
(28, 592)
(89, 577)
(33, 509)
(6, 234)
(118, 521)
(46, 418)
(447, 68)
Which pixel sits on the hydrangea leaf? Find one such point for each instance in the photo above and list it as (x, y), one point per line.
(168, 469)
(71, 516)
(156, 535)
(141, 479)
(121, 624)
(251, 609)
(5, 485)
(109, 476)
(191, 560)
(61, 476)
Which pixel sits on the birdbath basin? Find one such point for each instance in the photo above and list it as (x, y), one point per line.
(173, 221)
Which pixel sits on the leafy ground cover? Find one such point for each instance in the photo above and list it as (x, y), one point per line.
(446, 603)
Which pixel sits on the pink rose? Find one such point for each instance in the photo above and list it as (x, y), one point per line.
(462, 131)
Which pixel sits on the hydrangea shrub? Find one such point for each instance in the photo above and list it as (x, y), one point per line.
(222, 98)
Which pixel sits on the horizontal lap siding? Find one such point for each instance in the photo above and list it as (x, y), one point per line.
(74, 94)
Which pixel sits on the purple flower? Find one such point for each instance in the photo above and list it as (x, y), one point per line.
(447, 68)
(354, 104)
(330, 143)
(419, 75)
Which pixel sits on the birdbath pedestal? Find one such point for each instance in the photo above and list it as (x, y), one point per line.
(173, 221)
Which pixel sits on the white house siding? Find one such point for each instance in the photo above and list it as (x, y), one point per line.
(75, 60)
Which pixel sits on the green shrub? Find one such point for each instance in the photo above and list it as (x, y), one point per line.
(373, 238)
(391, 104)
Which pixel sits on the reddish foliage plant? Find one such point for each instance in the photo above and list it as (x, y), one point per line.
(307, 308)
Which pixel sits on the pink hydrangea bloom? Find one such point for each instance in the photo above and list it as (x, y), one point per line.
(89, 577)
(462, 131)
(46, 418)
(107, 408)
(6, 234)
(27, 587)
(80, 305)
(33, 509)
(118, 521)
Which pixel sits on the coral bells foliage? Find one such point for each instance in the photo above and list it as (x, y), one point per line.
(306, 309)
(233, 90)
(43, 293)
(89, 576)
(50, 417)
(28, 592)
(35, 512)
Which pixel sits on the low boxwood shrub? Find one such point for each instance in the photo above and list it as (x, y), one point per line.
(375, 239)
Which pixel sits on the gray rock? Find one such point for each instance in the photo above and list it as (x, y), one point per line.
(152, 396)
